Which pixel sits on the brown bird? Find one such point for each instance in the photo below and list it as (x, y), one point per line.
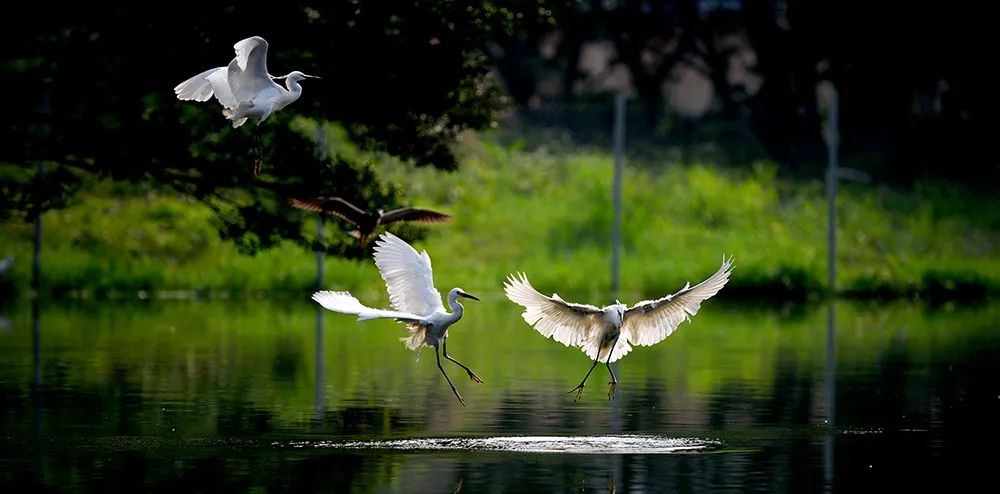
(366, 221)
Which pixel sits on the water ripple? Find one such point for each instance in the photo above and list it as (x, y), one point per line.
(623, 444)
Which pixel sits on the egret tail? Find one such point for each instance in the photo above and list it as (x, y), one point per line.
(345, 303)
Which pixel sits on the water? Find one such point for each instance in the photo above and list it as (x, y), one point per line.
(189, 396)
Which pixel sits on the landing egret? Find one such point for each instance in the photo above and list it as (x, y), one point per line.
(414, 300)
(244, 88)
(366, 221)
(598, 332)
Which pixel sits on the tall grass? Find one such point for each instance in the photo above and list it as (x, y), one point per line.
(549, 214)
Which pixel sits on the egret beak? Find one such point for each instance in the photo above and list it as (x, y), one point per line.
(466, 295)
(307, 76)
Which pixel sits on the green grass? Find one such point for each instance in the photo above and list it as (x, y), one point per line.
(549, 215)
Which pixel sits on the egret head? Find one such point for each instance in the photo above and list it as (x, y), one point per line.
(618, 309)
(458, 292)
(296, 76)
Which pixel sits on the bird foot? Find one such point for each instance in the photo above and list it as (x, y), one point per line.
(612, 386)
(579, 392)
(474, 377)
(257, 165)
(460, 400)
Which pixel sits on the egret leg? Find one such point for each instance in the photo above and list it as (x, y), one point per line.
(444, 349)
(259, 158)
(579, 388)
(614, 380)
(453, 388)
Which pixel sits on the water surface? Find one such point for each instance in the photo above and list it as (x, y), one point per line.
(204, 396)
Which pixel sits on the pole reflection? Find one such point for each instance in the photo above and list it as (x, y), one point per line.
(831, 396)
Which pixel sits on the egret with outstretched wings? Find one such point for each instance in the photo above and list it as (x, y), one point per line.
(607, 334)
(413, 298)
(244, 88)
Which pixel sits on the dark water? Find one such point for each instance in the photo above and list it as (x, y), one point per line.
(186, 396)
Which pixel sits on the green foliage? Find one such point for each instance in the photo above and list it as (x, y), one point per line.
(94, 101)
(548, 215)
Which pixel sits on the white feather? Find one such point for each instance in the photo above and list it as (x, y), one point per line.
(650, 321)
(197, 88)
(408, 276)
(345, 303)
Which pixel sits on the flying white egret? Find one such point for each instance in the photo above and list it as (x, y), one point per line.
(244, 88)
(366, 221)
(599, 332)
(414, 300)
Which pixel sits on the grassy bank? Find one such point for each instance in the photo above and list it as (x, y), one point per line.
(549, 214)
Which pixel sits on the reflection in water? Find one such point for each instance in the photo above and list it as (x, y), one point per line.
(189, 395)
(831, 395)
(318, 400)
(36, 386)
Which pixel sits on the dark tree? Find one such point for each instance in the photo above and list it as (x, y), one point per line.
(90, 95)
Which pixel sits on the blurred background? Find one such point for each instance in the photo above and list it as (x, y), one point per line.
(154, 291)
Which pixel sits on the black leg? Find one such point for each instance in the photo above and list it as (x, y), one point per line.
(614, 380)
(259, 158)
(453, 389)
(444, 350)
(579, 388)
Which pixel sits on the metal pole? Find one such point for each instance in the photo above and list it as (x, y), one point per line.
(318, 392)
(832, 173)
(619, 150)
(36, 263)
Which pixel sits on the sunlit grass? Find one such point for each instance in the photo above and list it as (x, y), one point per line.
(549, 214)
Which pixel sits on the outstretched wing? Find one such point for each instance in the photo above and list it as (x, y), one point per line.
(345, 303)
(650, 321)
(333, 205)
(408, 276)
(568, 323)
(414, 214)
(248, 75)
(197, 88)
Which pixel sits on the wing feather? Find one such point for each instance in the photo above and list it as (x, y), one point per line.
(408, 276)
(414, 214)
(345, 303)
(197, 88)
(333, 205)
(650, 321)
(248, 75)
(568, 323)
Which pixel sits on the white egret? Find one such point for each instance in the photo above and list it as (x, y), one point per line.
(607, 334)
(244, 88)
(366, 221)
(414, 300)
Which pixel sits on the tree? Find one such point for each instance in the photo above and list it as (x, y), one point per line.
(94, 98)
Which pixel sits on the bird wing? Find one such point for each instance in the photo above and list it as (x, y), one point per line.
(408, 276)
(414, 214)
(568, 323)
(333, 205)
(197, 88)
(248, 75)
(219, 81)
(245, 50)
(345, 303)
(650, 321)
